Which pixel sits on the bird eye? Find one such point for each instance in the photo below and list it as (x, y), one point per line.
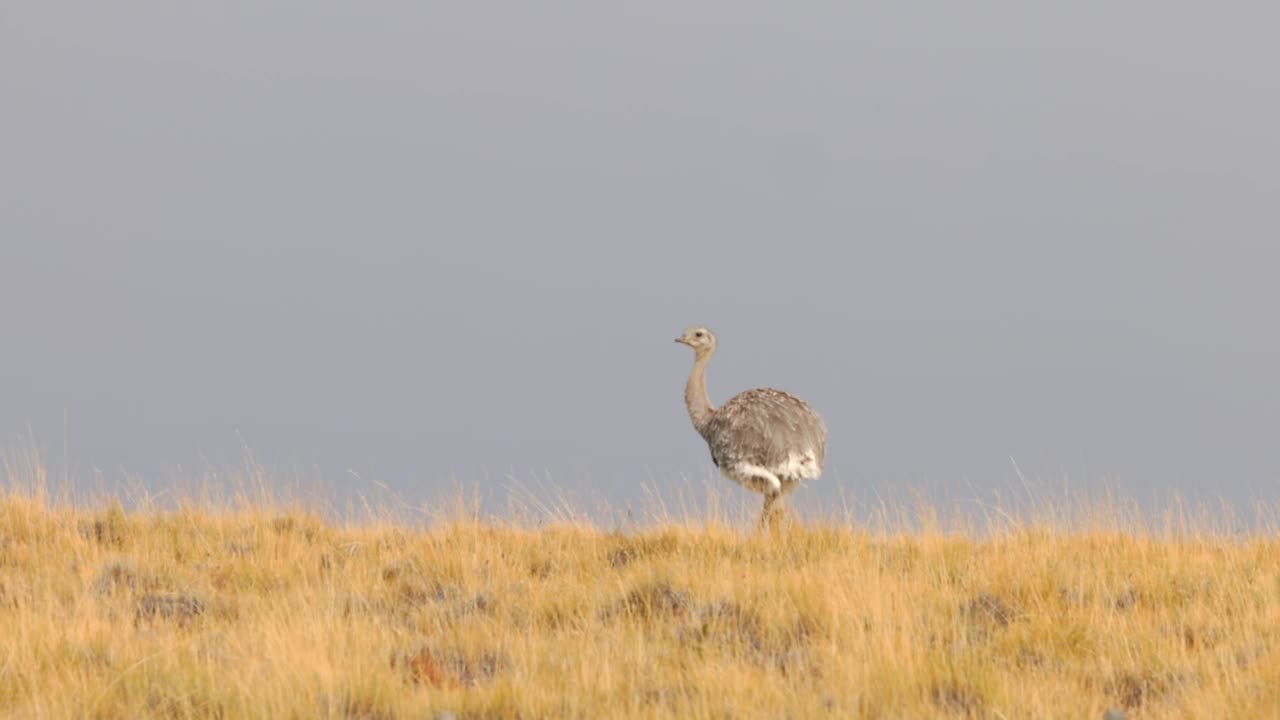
(698, 334)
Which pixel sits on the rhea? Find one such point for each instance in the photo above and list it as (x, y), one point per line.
(765, 440)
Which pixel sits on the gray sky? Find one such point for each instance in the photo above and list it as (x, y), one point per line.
(434, 240)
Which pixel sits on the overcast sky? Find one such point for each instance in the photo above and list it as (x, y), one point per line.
(427, 241)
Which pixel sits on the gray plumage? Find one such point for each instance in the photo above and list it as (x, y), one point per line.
(765, 427)
(765, 440)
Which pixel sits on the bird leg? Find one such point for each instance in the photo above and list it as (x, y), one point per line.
(769, 514)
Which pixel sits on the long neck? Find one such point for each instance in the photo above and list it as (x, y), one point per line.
(695, 393)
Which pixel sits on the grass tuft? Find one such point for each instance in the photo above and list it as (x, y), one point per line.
(209, 611)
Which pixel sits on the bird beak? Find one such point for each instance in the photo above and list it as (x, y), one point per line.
(681, 341)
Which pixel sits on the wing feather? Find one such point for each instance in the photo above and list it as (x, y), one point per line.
(765, 427)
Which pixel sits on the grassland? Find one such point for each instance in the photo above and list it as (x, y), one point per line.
(253, 609)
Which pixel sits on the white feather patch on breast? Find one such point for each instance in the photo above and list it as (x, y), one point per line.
(753, 477)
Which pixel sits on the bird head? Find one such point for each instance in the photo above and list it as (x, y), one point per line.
(698, 338)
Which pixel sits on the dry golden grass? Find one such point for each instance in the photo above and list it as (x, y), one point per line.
(211, 611)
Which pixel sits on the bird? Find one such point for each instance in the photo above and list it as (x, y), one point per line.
(764, 439)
